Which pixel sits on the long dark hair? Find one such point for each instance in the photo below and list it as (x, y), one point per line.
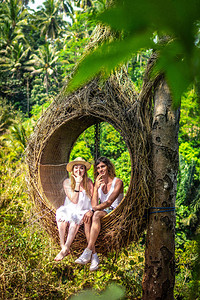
(108, 163)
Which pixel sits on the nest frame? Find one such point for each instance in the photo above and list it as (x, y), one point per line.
(115, 102)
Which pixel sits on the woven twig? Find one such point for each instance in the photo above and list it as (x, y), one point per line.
(49, 148)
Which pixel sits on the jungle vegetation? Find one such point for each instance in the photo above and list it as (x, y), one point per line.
(38, 50)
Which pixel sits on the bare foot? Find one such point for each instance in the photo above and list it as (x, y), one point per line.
(64, 252)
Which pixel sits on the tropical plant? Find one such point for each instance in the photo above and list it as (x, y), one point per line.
(15, 138)
(186, 261)
(44, 63)
(111, 145)
(6, 115)
(75, 41)
(66, 7)
(12, 22)
(144, 28)
(50, 21)
(188, 201)
(83, 3)
(13, 62)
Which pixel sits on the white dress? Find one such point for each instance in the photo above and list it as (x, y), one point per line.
(104, 197)
(70, 212)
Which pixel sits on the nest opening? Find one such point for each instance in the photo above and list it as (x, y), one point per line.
(52, 141)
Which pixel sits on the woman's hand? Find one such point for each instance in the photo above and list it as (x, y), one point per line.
(78, 179)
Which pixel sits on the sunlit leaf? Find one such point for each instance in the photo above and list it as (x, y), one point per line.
(175, 66)
(112, 292)
(138, 21)
(107, 57)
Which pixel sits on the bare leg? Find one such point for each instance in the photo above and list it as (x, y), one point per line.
(87, 227)
(95, 229)
(89, 253)
(73, 228)
(62, 229)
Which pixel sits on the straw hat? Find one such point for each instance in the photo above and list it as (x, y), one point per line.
(78, 161)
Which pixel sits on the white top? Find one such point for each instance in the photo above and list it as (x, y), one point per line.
(104, 197)
(70, 212)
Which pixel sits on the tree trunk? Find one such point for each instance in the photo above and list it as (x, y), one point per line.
(27, 94)
(159, 274)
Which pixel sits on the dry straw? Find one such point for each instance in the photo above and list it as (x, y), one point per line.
(113, 101)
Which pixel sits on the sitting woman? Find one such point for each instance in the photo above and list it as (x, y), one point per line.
(79, 192)
(109, 190)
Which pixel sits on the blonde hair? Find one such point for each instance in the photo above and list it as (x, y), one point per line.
(85, 182)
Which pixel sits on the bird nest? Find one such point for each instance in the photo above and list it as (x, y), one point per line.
(49, 147)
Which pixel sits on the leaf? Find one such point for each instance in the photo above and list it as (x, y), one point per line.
(140, 259)
(175, 16)
(107, 57)
(138, 20)
(132, 262)
(112, 292)
(176, 67)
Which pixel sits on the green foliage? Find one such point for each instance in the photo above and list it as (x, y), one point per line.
(49, 20)
(123, 169)
(27, 266)
(38, 49)
(187, 259)
(38, 110)
(188, 202)
(6, 115)
(15, 139)
(112, 292)
(111, 145)
(30, 45)
(137, 66)
(75, 41)
(173, 23)
(189, 135)
(188, 192)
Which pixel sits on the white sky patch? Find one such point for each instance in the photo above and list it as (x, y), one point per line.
(40, 3)
(36, 4)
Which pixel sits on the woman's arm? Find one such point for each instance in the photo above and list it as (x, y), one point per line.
(118, 189)
(87, 216)
(91, 187)
(95, 198)
(72, 195)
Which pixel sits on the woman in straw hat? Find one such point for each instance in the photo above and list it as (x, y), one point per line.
(79, 192)
(109, 189)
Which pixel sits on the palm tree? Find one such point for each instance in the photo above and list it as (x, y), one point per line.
(49, 20)
(14, 49)
(14, 60)
(44, 63)
(15, 138)
(83, 3)
(13, 11)
(6, 115)
(66, 7)
(18, 134)
(14, 71)
(95, 5)
(12, 21)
